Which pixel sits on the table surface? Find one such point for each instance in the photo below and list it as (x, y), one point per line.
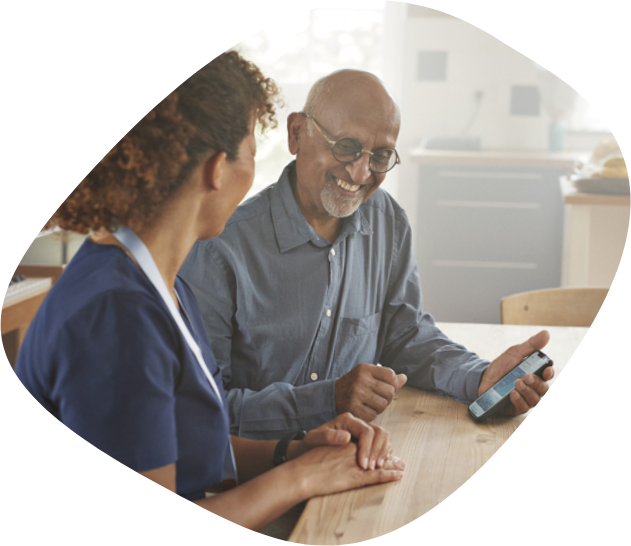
(441, 444)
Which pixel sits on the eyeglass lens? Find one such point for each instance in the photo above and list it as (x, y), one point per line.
(347, 150)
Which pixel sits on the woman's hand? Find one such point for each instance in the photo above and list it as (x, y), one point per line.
(374, 447)
(330, 469)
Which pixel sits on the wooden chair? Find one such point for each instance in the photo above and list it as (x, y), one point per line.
(553, 307)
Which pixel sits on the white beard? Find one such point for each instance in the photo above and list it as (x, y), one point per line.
(340, 206)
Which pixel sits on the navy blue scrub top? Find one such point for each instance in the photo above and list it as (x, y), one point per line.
(106, 358)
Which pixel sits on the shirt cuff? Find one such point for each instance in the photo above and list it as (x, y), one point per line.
(316, 403)
(472, 382)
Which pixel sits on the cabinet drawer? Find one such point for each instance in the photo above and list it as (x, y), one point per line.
(483, 234)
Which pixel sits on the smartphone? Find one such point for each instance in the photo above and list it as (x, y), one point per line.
(497, 396)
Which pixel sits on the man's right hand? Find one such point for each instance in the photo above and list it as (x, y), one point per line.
(367, 390)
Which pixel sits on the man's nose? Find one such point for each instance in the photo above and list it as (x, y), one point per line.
(360, 168)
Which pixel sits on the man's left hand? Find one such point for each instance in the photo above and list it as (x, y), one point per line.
(529, 390)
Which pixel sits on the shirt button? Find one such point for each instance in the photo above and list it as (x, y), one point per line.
(328, 312)
(332, 252)
(314, 376)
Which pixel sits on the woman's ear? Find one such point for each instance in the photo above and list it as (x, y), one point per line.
(294, 128)
(214, 170)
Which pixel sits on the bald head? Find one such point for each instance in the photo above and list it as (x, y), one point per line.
(356, 93)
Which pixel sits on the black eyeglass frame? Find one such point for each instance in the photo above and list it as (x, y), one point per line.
(359, 152)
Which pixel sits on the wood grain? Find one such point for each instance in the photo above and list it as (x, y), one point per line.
(441, 445)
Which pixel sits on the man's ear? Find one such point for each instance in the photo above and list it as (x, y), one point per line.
(214, 170)
(295, 123)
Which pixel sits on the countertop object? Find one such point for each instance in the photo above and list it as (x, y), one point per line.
(602, 186)
(572, 195)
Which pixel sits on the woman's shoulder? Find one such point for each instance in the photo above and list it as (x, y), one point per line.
(102, 283)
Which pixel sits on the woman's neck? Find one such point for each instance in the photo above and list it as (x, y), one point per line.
(170, 237)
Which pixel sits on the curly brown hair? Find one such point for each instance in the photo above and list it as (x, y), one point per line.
(211, 111)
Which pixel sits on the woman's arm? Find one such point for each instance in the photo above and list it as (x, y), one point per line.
(253, 504)
(253, 457)
(261, 500)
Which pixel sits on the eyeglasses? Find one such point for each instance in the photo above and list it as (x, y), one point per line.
(346, 150)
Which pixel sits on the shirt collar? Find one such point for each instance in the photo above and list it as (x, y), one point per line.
(290, 225)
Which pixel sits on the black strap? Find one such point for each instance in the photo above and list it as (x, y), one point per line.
(280, 453)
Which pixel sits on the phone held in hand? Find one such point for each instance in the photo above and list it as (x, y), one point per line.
(497, 396)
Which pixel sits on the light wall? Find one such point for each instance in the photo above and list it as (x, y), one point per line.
(476, 61)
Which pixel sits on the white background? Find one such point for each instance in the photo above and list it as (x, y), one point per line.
(117, 88)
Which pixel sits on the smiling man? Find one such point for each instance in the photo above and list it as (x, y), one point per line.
(313, 282)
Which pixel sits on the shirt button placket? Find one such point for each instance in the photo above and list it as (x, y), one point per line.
(333, 276)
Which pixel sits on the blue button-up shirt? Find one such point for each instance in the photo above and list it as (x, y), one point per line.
(289, 312)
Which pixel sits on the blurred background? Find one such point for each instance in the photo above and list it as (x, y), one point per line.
(510, 180)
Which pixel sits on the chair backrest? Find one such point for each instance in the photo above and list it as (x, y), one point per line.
(553, 307)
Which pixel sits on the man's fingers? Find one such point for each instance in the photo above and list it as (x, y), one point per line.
(384, 374)
(367, 390)
(528, 393)
(548, 373)
(535, 343)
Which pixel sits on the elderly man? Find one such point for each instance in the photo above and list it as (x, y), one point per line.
(313, 282)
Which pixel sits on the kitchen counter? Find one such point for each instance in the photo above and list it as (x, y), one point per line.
(594, 235)
(572, 196)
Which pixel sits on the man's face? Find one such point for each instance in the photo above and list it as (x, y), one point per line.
(325, 186)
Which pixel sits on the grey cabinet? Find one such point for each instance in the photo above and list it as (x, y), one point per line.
(484, 232)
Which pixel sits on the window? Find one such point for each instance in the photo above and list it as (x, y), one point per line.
(586, 118)
(322, 41)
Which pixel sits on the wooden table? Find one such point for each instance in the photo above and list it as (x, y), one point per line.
(441, 445)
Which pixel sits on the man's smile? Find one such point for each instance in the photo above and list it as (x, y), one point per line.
(345, 185)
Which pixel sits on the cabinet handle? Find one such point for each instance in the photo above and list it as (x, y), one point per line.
(490, 174)
(488, 204)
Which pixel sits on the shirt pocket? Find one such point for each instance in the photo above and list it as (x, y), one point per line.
(356, 343)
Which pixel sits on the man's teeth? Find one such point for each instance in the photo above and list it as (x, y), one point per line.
(346, 186)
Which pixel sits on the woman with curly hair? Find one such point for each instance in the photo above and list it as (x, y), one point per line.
(118, 351)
